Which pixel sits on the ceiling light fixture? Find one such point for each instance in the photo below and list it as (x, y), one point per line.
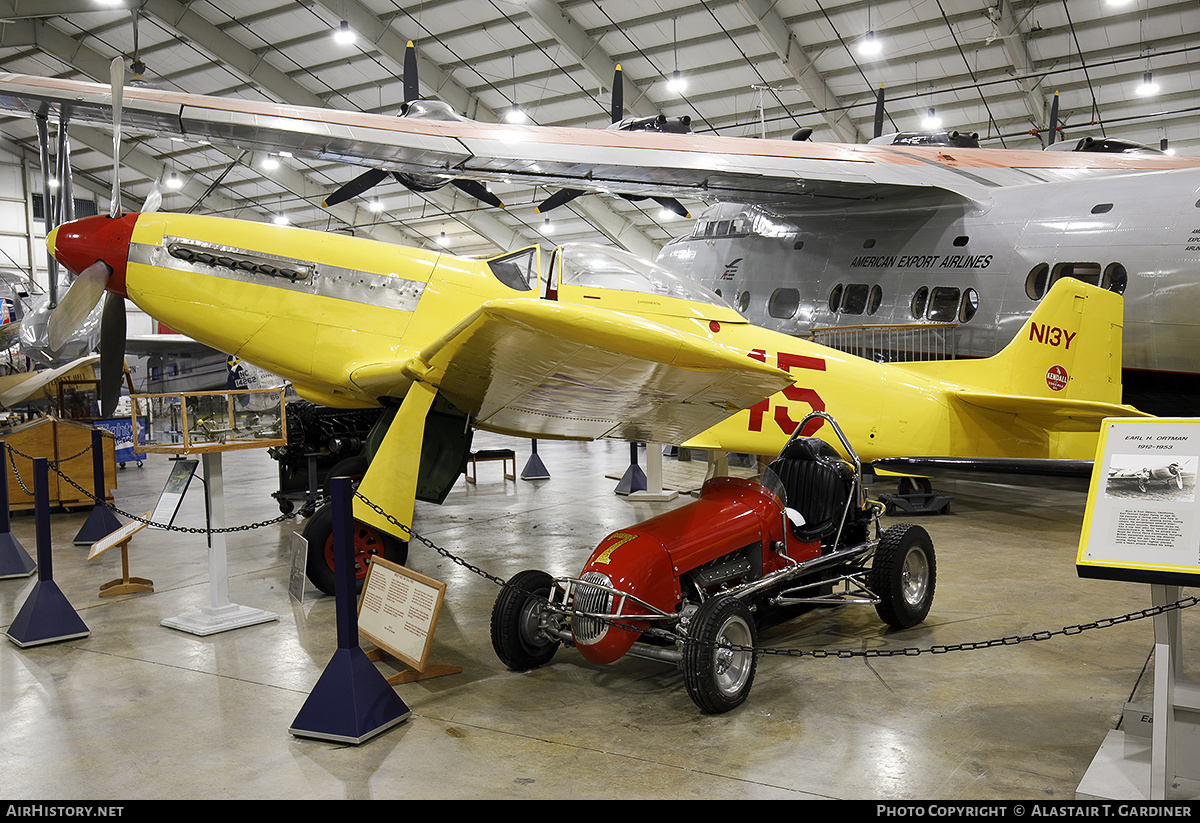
(677, 85)
(1148, 86)
(547, 226)
(870, 46)
(931, 122)
(343, 34)
(174, 182)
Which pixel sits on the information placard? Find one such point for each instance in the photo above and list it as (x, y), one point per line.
(1143, 519)
(398, 610)
(172, 493)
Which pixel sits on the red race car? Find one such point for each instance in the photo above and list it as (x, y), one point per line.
(685, 587)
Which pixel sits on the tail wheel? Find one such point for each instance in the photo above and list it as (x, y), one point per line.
(367, 543)
(517, 636)
(718, 657)
(904, 575)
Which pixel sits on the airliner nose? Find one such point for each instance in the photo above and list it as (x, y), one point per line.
(80, 243)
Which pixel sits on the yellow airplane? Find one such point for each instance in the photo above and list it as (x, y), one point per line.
(606, 345)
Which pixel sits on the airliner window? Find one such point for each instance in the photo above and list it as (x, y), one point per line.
(943, 304)
(1035, 283)
(743, 301)
(855, 299)
(1087, 272)
(835, 298)
(970, 305)
(874, 301)
(1115, 278)
(517, 270)
(783, 303)
(583, 264)
(722, 229)
(918, 302)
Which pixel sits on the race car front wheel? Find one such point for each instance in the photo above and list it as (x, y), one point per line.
(516, 634)
(903, 576)
(718, 654)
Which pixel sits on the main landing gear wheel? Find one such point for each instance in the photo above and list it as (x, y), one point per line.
(718, 678)
(903, 576)
(516, 634)
(368, 541)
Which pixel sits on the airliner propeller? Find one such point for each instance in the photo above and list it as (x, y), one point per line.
(414, 107)
(660, 123)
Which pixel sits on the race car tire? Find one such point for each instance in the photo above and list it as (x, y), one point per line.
(516, 638)
(903, 576)
(718, 679)
(318, 533)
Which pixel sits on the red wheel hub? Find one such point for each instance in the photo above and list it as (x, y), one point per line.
(367, 542)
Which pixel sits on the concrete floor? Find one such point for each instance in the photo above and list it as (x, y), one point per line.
(137, 710)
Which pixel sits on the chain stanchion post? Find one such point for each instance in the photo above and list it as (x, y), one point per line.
(14, 560)
(352, 701)
(101, 522)
(46, 616)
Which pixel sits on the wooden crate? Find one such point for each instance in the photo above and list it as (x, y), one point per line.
(55, 439)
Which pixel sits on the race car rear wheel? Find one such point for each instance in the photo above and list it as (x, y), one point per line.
(718, 678)
(516, 636)
(903, 576)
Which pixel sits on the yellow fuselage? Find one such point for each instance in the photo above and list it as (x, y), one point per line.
(375, 303)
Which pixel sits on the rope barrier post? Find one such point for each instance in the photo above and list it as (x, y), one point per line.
(101, 522)
(352, 701)
(14, 560)
(46, 616)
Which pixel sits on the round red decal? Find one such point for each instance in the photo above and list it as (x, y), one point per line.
(1056, 378)
(714, 325)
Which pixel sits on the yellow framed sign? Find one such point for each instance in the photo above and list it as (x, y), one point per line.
(1143, 518)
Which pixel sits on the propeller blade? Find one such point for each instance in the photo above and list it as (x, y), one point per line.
(112, 352)
(1053, 120)
(672, 205)
(559, 198)
(365, 181)
(117, 76)
(879, 112)
(153, 199)
(77, 304)
(618, 95)
(478, 191)
(412, 89)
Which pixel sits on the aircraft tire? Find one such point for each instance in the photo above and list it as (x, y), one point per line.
(368, 541)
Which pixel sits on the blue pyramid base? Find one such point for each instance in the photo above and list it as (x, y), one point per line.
(46, 617)
(634, 480)
(100, 523)
(14, 560)
(534, 469)
(352, 701)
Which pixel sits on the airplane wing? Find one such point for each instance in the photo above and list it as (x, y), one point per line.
(17, 389)
(744, 170)
(538, 368)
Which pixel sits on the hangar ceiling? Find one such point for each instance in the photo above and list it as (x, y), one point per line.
(753, 68)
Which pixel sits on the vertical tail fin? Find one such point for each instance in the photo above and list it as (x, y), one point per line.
(1065, 361)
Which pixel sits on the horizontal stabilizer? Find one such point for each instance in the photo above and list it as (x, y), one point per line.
(1050, 413)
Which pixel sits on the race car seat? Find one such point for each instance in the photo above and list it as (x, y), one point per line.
(817, 483)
